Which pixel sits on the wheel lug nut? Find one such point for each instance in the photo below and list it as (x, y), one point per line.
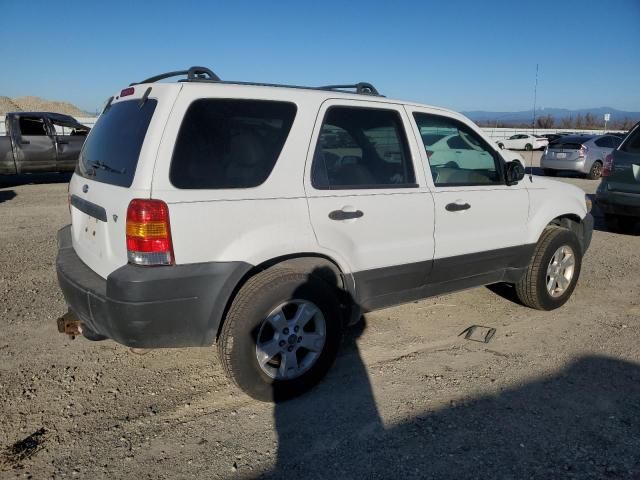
(286, 331)
(282, 343)
(290, 349)
(296, 328)
(299, 339)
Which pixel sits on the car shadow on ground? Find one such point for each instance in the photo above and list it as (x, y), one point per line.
(33, 178)
(6, 195)
(580, 422)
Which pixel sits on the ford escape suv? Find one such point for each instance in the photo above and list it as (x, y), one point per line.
(266, 218)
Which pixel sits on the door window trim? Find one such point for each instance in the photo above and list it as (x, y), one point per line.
(497, 157)
(384, 186)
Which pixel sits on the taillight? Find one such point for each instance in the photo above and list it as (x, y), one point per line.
(608, 165)
(149, 233)
(583, 151)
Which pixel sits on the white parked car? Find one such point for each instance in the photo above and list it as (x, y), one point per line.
(267, 218)
(523, 141)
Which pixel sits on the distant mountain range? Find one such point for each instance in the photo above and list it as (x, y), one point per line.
(557, 113)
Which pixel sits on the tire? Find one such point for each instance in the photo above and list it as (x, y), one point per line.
(619, 223)
(528, 147)
(550, 172)
(596, 170)
(277, 289)
(532, 289)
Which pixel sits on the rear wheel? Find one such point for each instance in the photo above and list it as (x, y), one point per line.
(550, 173)
(528, 147)
(281, 334)
(596, 170)
(553, 272)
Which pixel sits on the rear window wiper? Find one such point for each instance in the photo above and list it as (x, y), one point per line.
(106, 167)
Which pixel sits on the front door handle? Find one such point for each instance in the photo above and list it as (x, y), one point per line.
(456, 207)
(344, 215)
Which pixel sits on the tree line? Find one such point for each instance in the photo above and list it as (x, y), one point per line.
(588, 121)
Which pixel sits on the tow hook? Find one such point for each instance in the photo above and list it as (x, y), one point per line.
(70, 324)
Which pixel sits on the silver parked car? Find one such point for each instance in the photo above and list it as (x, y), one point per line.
(578, 153)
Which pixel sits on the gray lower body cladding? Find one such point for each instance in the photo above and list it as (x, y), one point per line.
(148, 307)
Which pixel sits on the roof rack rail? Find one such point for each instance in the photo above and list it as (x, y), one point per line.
(203, 74)
(194, 74)
(363, 88)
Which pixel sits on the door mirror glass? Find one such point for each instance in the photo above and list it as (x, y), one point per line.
(513, 172)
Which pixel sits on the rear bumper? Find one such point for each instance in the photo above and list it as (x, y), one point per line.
(572, 165)
(618, 203)
(148, 307)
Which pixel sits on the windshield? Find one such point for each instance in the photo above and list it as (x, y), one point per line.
(110, 154)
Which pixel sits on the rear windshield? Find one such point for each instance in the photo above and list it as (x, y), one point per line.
(227, 143)
(632, 142)
(568, 143)
(110, 153)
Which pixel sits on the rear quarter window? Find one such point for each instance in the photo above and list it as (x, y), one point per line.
(229, 143)
(110, 153)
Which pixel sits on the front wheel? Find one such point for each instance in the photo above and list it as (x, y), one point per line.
(528, 147)
(281, 334)
(553, 272)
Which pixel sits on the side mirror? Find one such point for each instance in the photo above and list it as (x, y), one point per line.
(501, 146)
(513, 173)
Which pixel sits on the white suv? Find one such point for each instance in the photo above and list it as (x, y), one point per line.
(266, 218)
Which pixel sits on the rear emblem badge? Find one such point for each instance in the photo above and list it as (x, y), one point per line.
(85, 188)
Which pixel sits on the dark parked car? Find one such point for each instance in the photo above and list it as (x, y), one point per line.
(551, 136)
(618, 195)
(40, 142)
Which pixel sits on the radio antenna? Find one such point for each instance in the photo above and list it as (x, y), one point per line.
(533, 123)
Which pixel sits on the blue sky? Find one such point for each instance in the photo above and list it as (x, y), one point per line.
(465, 55)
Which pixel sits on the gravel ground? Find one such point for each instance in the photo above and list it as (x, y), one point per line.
(553, 395)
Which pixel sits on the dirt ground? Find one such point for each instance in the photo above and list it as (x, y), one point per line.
(553, 395)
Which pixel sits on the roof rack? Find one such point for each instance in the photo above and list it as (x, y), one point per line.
(363, 88)
(194, 74)
(203, 74)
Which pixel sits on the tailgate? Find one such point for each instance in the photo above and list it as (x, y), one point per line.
(115, 166)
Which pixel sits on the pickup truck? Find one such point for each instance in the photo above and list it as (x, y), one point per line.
(40, 142)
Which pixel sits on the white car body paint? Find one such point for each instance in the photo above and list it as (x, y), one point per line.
(286, 216)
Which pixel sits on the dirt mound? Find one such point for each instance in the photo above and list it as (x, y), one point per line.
(37, 104)
(8, 105)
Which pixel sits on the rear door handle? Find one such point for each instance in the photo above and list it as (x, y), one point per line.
(456, 207)
(344, 215)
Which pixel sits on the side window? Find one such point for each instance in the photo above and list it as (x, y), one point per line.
(227, 143)
(604, 142)
(62, 128)
(32, 126)
(616, 141)
(362, 148)
(457, 155)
